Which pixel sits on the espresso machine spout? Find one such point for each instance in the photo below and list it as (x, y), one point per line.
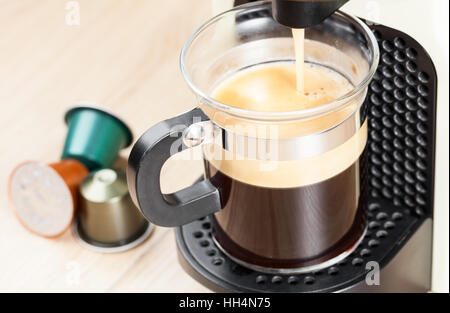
(304, 13)
(300, 13)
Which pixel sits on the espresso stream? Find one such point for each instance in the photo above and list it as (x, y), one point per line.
(302, 212)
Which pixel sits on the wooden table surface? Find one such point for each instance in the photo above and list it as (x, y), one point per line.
(123, 55)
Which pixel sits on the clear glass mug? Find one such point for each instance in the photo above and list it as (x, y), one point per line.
(285, 190)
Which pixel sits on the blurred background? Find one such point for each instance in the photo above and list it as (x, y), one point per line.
(125, 55)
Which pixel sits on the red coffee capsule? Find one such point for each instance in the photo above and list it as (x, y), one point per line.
(44, 196)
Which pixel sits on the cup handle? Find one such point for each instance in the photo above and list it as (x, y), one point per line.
(146, 159)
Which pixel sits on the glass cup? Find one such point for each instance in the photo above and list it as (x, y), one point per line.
(286, 191)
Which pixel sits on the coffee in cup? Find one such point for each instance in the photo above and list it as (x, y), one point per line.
(271, 218)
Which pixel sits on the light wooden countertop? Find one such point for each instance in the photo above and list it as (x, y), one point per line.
(124, 55)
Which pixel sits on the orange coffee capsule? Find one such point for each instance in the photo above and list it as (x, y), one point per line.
(44, 196)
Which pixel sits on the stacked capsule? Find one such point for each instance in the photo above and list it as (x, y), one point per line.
(82, 189)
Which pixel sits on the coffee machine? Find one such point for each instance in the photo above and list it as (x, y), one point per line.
(395, 253)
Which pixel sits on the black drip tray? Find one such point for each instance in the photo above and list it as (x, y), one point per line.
(386, 227)
(401, 106)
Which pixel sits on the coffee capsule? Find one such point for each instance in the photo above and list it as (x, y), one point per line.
(95, 136)
(108, 220)
(44, 197)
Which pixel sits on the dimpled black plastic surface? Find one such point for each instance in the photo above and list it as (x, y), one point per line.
(401, 105)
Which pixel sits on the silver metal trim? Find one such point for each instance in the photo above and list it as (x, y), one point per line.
(287, 149)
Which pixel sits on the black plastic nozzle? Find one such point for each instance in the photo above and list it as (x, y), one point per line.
(239, 2)
(304, 13)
